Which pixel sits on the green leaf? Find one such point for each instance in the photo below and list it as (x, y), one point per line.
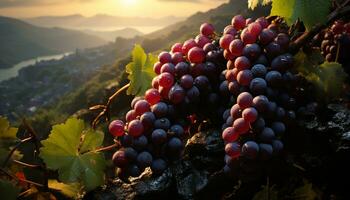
(252, 4)
(306, 192)
(266, 193)
(70, 190)
(327, 77)
(8, 191)
(7, 139)
(309, 11)
(69, 149)
(7, 132)
(140, 71)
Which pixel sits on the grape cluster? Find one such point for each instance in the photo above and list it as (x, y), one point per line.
(242, 79)
(258, 76)
(335, 41)
(157, 126)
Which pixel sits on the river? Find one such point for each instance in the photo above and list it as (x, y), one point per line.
(13, 71)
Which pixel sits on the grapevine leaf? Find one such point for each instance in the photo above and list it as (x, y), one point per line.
(266, 193)
(70, 190)
(252, 4)
(140, 71)
(7, 139)
(66, 151)
(7, 132)
(309, 11)
(8, 191)
(306, 192)
(327, 77)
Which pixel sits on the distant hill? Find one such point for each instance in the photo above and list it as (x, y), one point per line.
(100, 20)
(112, 35)
(20, 41)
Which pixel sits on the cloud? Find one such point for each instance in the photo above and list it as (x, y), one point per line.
(25, 3)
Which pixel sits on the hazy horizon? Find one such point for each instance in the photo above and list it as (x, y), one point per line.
(122, 8)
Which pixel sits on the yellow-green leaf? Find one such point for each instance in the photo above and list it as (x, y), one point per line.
(140, 71)
(252, 4)
(7, 132)
(70, 190)
(306, 192)
(70, 150)
(309, 11)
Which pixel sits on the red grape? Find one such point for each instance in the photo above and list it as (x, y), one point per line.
(135, 128)
(244, 77)
(238, 22)
(177, 58)
(229, 135)
(241, 126)
(166, 80)
(233, 149)
(225, 41)
(164, 57)
(248, 37)
(152, 96)
(188, 45)
(230, 30)
(202, 40)
(177, 47)
(141, 107)
(244, 100)
(207, 29)
(196, 55)
(131, 115)
(250, 114)
(254, 28)
(157, 66)
(116, 128)
(242, 63)
(236, 47)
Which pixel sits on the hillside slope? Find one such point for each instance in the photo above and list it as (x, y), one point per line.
(20, 41)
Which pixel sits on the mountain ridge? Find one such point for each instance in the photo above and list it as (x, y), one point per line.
(20, 41)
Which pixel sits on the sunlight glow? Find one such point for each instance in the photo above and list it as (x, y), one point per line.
(128, 2)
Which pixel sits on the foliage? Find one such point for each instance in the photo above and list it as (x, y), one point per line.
(292, 10)
(140, 71)
(70, 190)
(71, 150)
(252, 4)
(7, 139)
(8, 191)
(266, 193)
(328, 77)
(306, 192)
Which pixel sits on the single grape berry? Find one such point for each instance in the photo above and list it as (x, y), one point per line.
(207, 29)
(152, 96)
(116, 128)
(196, 55)
(135, 128)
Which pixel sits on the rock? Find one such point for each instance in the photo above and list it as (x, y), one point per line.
(188, 179)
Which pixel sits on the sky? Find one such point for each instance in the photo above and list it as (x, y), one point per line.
(141, 8)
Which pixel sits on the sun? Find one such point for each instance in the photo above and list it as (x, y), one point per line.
(128, 2)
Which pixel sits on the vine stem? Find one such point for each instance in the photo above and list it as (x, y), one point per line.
(15, 148)
(304, 38)
(27, 165)
(106, 108)
(108, 148)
